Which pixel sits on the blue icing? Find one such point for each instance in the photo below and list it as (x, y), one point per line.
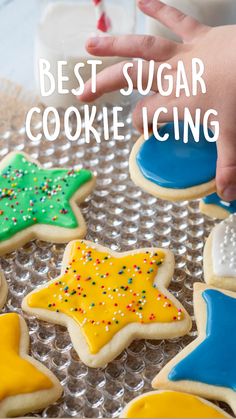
(213, 361)
(174, 164)
(216, 200)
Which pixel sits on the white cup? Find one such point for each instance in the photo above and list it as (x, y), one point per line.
(62, 33)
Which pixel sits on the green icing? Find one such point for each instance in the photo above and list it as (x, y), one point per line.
(32, 195)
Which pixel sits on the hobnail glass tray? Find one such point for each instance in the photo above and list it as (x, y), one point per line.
(119, 215)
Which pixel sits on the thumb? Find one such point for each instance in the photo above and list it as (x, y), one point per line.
(226, 164)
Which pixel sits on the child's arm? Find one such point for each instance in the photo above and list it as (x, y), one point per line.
(216, 47)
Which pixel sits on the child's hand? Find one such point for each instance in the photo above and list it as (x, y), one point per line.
(216, 47)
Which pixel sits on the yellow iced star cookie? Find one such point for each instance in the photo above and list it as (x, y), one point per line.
(107, 299)
(3, 290)
(25, 384)
(171, 404)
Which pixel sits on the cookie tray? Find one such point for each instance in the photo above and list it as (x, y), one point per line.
(119, 215)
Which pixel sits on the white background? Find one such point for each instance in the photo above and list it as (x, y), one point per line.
(18, 20)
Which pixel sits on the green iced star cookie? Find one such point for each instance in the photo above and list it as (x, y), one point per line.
(40, 203)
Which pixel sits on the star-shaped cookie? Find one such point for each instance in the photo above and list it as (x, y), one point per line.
(3, 289)
(207, 366)
(107, 299)
(40, 203)
(25, 384)
(220, 255)
(171, 404)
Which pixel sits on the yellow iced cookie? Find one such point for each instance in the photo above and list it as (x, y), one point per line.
(107, 299)
(171, 404)
(25, 384)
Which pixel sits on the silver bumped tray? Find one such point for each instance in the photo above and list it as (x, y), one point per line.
(121, 216)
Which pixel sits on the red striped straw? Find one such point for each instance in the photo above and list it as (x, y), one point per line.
(103, 21)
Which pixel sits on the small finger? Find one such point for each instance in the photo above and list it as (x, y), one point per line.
(152, 103)
(226, 165)
(112, 78)
(135, 46)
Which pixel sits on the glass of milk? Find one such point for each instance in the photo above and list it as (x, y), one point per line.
(63, 30)
(209, 12)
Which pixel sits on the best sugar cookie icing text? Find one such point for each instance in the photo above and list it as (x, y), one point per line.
(186, 83)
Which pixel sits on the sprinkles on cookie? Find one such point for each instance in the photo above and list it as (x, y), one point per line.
(102, 293)
(32, 196)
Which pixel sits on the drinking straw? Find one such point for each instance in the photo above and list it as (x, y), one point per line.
(103, 21)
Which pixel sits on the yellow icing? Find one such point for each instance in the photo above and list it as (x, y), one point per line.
(17, 375)
(104, 293)
(171, 405)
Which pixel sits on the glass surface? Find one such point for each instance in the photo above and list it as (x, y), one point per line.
(63, 30)
(121, 216)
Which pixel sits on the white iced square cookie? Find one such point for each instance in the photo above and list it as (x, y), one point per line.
(207, 367)
(40, 203)
(171, 404)
(220, 255)
(107, 299)
(172, 169)
(3, 289)
(25, 384)
(213, 206)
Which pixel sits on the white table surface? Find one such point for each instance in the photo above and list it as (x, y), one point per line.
(18, 22)
(18, 19)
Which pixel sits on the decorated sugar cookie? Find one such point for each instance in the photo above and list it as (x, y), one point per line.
(40, 203)
(173, 170)
(171, 404)
(207, 366)
(107, 299)
(215, 207)
(220, 255)
(3, 289)
(25, 384)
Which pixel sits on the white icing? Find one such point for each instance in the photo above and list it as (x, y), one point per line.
(224, 248)
(225, 204)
